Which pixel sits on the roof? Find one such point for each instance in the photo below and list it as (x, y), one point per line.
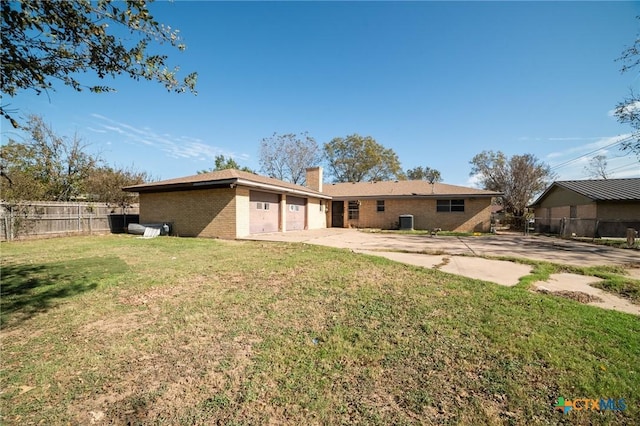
(599, 189)
(402, 188)
(224, 178)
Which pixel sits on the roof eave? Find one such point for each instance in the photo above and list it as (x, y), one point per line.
(388, 196)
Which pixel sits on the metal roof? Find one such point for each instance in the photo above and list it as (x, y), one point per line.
(600, 189)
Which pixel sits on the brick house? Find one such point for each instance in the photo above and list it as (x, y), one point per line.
(437, 205)
(589, 208)
(232, 204)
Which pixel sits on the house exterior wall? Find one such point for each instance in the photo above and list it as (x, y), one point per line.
(558, 197)
(475, 218)
(316, 213)
(242, 212)
(197, 213)
(619, 211)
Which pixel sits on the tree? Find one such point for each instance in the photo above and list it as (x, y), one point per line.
(47, 167)
(223, 163)
(44, 41)
(519, 178)
(105, 183)
(287, 157)
(356, 158)
(597, 167)
(426, 173)
(628, 110)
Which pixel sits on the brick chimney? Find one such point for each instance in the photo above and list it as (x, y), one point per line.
(314, 178)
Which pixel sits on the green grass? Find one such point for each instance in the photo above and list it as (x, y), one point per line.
(613, 278)
(169, 331)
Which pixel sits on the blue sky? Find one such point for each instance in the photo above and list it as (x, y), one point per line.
(438, 82)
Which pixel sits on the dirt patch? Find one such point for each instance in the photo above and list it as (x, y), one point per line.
(572, 283)
(578, 296)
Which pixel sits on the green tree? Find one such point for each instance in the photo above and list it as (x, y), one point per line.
(287, 157)
(628, 110)
(357, 158)
(44, 41)
(424, 173)
(223, 163)
(47, 167)
(519, 178)
(104, 184)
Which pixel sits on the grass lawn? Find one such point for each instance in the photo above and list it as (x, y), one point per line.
(177, 331)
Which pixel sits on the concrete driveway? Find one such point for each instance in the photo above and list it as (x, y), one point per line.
(530, 247)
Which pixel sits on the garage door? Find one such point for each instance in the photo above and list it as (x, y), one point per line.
(296, 213)
(263, 212)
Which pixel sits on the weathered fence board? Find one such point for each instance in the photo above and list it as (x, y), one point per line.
(46, 219)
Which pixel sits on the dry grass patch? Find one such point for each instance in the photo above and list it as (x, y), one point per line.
(213, 332)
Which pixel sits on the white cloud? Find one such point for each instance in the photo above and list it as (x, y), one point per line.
(629, 108)
(474, 181)
(594, 147)
(178, 147)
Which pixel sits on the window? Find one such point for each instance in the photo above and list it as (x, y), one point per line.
(450, 206)
(573, 212)
(266, 206)
(354, 209)
(380, 205)
(259, 206)
(294, 208)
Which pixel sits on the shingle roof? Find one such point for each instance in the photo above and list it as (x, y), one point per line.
(402, 188)
(227, 176)
(600, 189)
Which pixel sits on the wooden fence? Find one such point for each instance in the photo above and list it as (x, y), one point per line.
(50, 219)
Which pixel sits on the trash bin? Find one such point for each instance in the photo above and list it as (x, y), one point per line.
(406, 222)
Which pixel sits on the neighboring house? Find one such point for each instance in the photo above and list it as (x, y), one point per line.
(590, 208)
(437, 205)
(232, 204)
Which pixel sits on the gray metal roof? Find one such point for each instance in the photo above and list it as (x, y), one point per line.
(600, 189)
(605, 189)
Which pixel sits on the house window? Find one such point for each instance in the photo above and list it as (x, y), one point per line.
(259, 206)
(354, 209)
(450, 206)
(294, 208)
(573, 212)
(266, 206)
(380, 205)
(321, 205)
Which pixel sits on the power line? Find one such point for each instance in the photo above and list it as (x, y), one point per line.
(626, 166)
(566, 163)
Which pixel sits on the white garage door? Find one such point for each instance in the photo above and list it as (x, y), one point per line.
(263, 212)
(296, 213)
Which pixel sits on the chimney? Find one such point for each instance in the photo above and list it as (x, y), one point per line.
(314, 178)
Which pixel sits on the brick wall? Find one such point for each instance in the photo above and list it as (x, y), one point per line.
(475, 218)
(198, 213)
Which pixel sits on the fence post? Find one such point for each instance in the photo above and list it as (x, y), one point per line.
(11, 224)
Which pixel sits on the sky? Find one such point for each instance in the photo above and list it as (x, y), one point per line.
(437, 82)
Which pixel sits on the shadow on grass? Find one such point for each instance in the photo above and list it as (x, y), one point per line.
(29, 289)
